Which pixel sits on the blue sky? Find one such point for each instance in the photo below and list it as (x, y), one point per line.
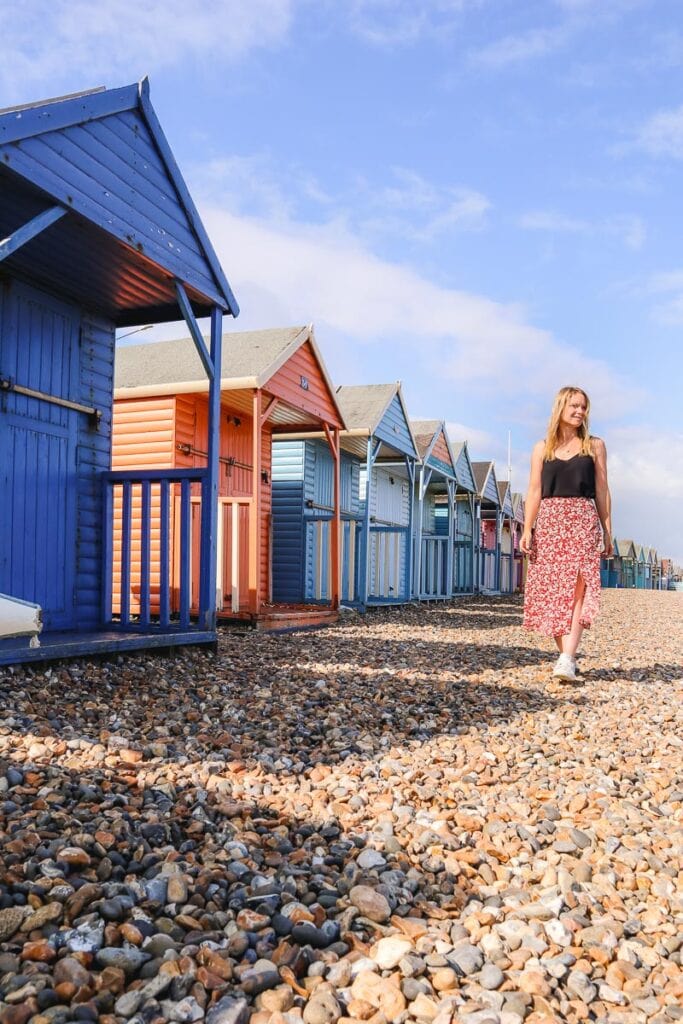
(479, 197)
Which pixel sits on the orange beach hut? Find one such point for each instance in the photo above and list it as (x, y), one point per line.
(271, 381)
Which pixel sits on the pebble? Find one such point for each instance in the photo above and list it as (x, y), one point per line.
(400, 818)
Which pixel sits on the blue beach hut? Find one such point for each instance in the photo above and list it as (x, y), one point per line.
(378, 433)
(489, 526)
(435, 487)
(98, 232)
(303, 566)
(464, 516)
(507, 513)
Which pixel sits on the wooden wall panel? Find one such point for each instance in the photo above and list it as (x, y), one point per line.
(316, 398)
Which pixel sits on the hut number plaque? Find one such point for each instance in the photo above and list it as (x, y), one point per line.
(304, 382)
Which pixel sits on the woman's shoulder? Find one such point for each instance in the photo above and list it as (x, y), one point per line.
(597, 444)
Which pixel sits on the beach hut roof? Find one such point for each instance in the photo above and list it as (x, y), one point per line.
(249, 360)
(376, 410)
(99, 212)
(364, 405)
(424, 432)
(485, 479)
(626, 548)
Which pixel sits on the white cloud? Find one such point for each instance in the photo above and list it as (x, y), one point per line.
(477, 439)
(662, 134)
(327, 274)
(391, 23)
(517, 48)
(416, 208)
(647, 491)
(668, 285)
(58, 41)
(628, 228)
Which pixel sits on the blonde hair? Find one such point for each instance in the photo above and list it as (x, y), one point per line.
(552, 436)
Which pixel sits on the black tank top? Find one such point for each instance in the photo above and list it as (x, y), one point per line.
(568, 478)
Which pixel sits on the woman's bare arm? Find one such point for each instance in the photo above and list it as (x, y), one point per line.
(603, 498)
(532, 501)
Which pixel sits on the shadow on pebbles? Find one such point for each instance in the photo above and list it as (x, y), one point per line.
(400, 818)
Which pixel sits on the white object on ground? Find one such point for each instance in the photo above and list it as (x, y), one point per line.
(20, 618)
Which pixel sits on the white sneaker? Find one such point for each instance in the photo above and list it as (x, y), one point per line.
(565, 669)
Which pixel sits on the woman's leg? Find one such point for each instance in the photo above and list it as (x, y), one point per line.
(558, 640)
(570, 642)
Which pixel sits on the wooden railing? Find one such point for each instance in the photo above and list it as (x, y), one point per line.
(505, 582)
(488, 576)
(389, 551)
(434, 568)
(463, 567)
(147, 546)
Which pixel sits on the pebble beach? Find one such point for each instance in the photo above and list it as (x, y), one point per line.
(400, 818)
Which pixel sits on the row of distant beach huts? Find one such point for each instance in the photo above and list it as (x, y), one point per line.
(149, 490)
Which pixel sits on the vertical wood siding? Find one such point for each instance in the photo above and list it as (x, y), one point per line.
(94, 450)
(39, 349)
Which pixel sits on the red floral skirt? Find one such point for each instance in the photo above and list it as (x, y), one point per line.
(567, 543)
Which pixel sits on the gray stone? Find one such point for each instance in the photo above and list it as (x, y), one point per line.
(369, 859)
(581, 987)
(229, 1010)
(466, 959)
(491, 977)
(128, 958)
(322, 1008)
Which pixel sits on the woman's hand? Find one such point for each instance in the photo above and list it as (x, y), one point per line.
(525, 543)
(607, 546)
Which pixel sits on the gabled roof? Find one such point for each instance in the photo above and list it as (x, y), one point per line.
(485, 479)
(626, 548)
(364, 405)
(426, 434)
(249, 360)
(463, 465)
(505, 497)
(377, 409)
(518, 506)
(97, 168)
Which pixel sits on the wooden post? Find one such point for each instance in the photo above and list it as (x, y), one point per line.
(450, 544)
(410, 546)
(209, 514)
(255, 508)
(335, 526)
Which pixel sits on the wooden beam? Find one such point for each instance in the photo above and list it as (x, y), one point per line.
(270, 408)
(335, 546)
(29, 230)
(255, 508)
(209, 513)
(193, 326)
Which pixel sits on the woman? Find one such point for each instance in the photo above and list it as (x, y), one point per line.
(568, 501)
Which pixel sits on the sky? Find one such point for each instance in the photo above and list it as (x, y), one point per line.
(481, 198)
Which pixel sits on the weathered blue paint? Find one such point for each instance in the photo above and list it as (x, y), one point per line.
(100, 231)
(105, 159)
(39, 453)
(376, 503)
(28, 231)
(394, 428)
(303, 506)
(433, 530)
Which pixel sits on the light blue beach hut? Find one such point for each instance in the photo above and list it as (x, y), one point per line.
(489, 531)
(435, 487)
(378, 433)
